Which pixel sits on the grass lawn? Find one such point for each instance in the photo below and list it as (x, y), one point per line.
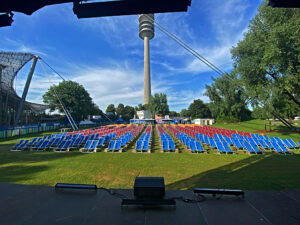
(181, 171)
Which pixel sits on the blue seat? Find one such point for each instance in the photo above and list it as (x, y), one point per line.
(283, 148)
(60, 146)
(171, 145)
(199, 147)
(139, 145)
(37, 145)
(269, 144)
(111, 146)
(227, 149)
(206, 140)
(262, 144)
(146, 146)
(193, 147)
(237, 143)
(18, 145)
(254, 147)
(165, 146)
(101, 141)
(66, 146)
(212, 142)
(87, 146)
(249, 148)
(287, 143)
(220, 147)
(276, 148)
(293, 143)
(42, 146)
(118, 146)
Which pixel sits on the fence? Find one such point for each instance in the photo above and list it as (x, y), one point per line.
(29, 130)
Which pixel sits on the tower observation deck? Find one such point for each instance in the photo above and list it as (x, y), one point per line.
(146, 32)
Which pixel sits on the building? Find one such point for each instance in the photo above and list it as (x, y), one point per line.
(204, 121)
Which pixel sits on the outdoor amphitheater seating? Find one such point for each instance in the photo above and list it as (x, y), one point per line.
(42, 146)
(262, 144)
(33, 141)
(227, 149)
(90, 147)
(287, 144)
(18, 145)
(199, 147)
(193, 148)
(165, 145)
(23, 146)
(59, 146)
(146, 146)
(293, 143)
(65, 147)
(277, 149)
(269, 145)
(172, 146)
(144, 142)
(256, 150)
(101, 142)
(111, 146)
(114, 146)
(219, 147)
(283, 148)
(237, 144)
(248, 148)
(139, 146)
(38, 143)
(212, 143)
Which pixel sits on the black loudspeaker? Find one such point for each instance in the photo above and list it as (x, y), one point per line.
(149, 187)
(149, 191)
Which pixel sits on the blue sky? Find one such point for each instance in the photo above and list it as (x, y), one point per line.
(105, 55)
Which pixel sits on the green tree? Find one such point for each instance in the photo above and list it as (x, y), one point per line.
(120, 110)
(268, 59)
(227, 99)
(111, 111)
(185, 113)
(75, 98)
(158, 104)
(198, 109)
(173, 114)
(129, 113)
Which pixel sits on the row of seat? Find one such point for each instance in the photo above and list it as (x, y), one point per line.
(144, 142)
(167, 144)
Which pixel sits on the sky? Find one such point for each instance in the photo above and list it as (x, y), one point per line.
(105, 55)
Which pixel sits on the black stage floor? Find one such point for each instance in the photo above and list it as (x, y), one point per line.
(39, 205)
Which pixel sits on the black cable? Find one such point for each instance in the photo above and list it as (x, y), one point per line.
(200, 198)
(113, 193)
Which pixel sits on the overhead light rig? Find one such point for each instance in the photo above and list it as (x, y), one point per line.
(93, 9)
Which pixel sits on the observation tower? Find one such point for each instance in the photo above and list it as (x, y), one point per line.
(146, 32)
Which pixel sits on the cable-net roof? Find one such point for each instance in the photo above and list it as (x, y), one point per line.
(10, 65)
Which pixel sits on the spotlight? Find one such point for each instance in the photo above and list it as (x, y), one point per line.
(215, 192)
(128, 7)
(75, 186)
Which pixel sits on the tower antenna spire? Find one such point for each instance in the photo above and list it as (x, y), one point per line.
(146, 33)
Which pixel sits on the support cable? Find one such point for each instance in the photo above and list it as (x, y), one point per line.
(74, 126)
(65, 80)
(187, 47)
(53, 69)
